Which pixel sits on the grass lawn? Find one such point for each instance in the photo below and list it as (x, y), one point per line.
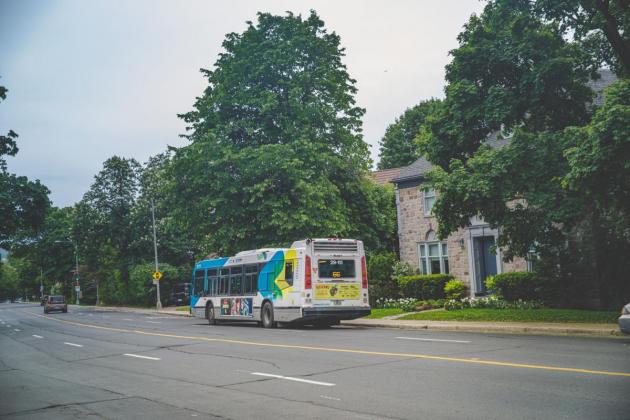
(519, 315)
(183, 308)
(380, 313)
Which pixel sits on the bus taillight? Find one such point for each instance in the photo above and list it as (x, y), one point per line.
(307, 273)
(363, 273)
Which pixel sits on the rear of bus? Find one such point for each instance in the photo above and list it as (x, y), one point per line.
(338, 280)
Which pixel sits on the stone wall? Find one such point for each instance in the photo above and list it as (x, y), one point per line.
(413, 227)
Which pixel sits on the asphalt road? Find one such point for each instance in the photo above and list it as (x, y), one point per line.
(95, 364)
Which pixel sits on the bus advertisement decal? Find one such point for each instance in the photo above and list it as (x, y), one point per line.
(337, 291)
(236, 306)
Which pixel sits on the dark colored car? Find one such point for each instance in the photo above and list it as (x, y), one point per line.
(181, 294)
(55, 303)
(43, 302)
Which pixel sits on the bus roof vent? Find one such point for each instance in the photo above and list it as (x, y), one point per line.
(335, 246)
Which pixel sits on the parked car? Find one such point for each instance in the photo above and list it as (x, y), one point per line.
(624, 319)
(43, 302)
(55, 303)
(181, 294)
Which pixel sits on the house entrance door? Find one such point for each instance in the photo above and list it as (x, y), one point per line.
(485, 261)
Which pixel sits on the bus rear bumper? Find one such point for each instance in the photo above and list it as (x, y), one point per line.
(309, 314)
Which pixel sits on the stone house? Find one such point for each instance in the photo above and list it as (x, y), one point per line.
(466, 254)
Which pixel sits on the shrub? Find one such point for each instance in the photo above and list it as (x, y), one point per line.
(380, 272)
(424, 287)
(401, 269)
(514, 286)
(454, 289)
(424, 305)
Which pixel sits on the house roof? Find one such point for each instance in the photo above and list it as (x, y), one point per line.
(385, 176)
(421, 166)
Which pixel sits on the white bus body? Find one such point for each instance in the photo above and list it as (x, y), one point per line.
(315, 281)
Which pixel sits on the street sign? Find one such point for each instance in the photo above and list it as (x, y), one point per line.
(157, 275)
(77, 288)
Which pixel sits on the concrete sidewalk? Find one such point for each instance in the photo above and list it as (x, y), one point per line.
(493, 327)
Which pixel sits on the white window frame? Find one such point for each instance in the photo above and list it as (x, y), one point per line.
(441, 255)
(428, 193)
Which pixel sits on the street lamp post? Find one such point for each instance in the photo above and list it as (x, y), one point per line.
(157, 283)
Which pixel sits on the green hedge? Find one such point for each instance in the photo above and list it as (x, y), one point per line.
(424, 287)
(455, 289)
(514, 286)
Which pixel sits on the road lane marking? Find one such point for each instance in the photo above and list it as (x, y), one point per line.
(37, 336)
(72, 344)
(289, 378)
(127, 319)
(433, 339)
(349, 351)
(17, 330)
(141, 357)
(330, 398)
(154, 322)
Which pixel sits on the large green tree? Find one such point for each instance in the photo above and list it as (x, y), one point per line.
(276, 150)
(399, 146)
(516, 75)
(23, 203)
(103, 226)
(601, 27)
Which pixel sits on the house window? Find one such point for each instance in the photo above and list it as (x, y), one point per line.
(434, 258)
(429, 200)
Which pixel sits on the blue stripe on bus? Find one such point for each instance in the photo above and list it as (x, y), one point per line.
(205, 264)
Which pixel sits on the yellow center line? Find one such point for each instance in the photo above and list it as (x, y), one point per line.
(350, 351)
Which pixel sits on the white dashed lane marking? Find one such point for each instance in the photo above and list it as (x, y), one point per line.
(37, 336)
(17, 330)
(434, 339)
(72, 344)
(289, 378)
(141, 357)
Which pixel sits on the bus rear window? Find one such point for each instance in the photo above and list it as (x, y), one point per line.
(336, 269)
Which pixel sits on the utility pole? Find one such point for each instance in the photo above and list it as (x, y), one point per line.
(159, 302)
(76, 265)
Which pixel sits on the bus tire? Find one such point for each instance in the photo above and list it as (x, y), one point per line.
(266, 315)
(210, 315)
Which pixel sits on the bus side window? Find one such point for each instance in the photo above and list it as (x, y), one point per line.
(199, 282)
(236, 281)
(212, 282)
(288, 271)
(224, 281)
(250, 284)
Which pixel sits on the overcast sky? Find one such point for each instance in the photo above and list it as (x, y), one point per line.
(91, 79)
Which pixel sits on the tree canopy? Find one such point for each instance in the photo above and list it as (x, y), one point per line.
(276, 149)
(514, 138)
(399, 146)
(23, 203)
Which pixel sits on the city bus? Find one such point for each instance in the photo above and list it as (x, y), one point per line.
(315, 281)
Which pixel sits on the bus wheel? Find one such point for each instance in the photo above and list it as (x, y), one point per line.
(267, 316)
(212, 320)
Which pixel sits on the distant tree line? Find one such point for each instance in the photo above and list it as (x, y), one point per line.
(275, 154)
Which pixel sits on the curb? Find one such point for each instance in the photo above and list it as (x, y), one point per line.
(139, 310)
(505, 329)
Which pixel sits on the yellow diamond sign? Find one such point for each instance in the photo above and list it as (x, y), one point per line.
(157, 275)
